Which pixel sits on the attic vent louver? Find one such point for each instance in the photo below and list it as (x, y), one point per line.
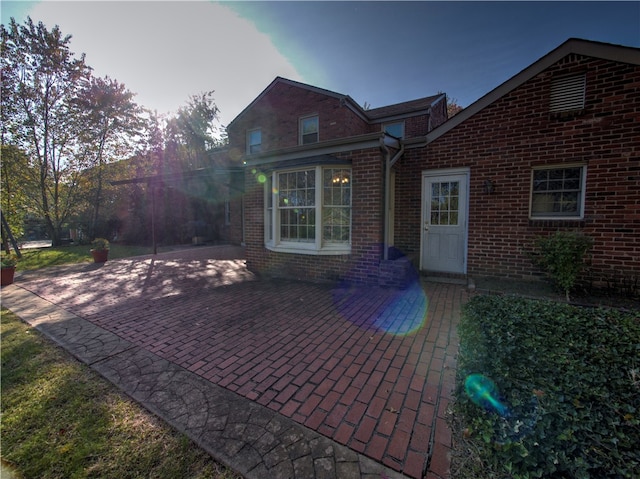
(567, 93)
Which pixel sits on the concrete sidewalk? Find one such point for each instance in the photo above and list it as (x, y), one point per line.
(273, 378)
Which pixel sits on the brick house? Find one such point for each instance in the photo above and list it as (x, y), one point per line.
(335, 192)
(556, 147)
(316, 169)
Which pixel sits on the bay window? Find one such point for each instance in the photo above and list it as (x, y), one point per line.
(308, 210)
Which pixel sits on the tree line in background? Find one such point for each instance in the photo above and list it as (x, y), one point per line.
(67, 134)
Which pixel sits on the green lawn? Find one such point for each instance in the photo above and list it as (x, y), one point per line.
(546, 390)
(61, 420)
(37, 258)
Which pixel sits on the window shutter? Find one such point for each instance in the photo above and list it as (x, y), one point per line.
(567, 93)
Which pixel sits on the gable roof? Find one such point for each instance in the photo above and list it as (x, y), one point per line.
(374, 115)
(588, 48)
(346, 99)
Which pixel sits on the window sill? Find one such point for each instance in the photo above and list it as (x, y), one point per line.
(310, 249)
(558, 222)
(556, 218)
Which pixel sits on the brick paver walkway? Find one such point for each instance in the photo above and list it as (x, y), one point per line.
(370, 368)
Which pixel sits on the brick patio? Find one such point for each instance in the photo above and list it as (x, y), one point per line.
(365, 367)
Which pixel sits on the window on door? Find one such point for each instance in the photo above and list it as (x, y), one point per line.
(445, 200)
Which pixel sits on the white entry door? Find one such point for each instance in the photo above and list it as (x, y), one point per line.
(444, 222)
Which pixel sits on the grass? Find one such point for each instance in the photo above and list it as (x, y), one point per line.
(37, 258)
(563, 400)
(61, 420)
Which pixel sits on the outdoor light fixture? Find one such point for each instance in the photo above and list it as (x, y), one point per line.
(489, 186)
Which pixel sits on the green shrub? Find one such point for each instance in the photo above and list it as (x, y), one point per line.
(100, 244)
(570, 378)
(562, 257)
(8, 261)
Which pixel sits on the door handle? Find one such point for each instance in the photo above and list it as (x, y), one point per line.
(426, 226)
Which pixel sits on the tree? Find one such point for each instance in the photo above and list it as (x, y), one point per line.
(41, 82)
(112, 121)
(452, 107)
(191, 133)
(15, 174)
(189, 136)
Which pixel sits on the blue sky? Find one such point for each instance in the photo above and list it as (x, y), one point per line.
(376, 52)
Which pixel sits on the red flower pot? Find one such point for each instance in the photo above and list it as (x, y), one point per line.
(7, 275)
(100, 256)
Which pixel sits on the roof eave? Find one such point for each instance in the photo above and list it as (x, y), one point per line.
(405, 114)
(369, 140)
(400, 116)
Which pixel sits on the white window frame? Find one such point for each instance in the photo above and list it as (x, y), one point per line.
(250, 145)
(393, 123)
(582, 193)
(318, 246)
(301, 135)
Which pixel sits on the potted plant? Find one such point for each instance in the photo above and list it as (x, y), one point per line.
(100, 250)
(7, 269)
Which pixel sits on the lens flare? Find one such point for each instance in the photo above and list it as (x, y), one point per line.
(483, 392)
(405, 314)
(514, 423)
(397, 312)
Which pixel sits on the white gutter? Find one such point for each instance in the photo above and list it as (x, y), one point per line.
(388, 163)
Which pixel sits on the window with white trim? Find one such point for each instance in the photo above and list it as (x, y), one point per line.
(268, 217)
(395, 129)
(308, 210)
(254, 141)
(558, 192)
(308, 127)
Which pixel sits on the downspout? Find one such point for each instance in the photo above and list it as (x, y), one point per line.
(243, 240)
(388, 164)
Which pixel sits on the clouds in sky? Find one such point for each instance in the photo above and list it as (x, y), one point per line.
(380, 52)
(167, 51)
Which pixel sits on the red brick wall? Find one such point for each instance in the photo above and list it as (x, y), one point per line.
(232, 232)
(515, 133)
(277, 114)
(361, 265)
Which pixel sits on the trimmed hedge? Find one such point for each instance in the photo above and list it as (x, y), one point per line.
(569, 378)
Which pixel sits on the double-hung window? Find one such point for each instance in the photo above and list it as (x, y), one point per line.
(296, 206)
(254, 141)
(308, 127)
(308, 210)
(557, 192)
